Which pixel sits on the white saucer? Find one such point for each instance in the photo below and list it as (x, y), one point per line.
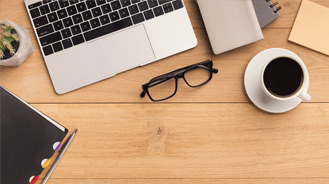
(253, 86)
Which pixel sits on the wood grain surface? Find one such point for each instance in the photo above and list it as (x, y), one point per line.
(211, 134)
(189, 181)
(192, 141)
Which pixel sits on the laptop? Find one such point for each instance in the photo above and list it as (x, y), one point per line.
(85, 41)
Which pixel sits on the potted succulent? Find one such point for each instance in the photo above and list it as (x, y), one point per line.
(15, 44)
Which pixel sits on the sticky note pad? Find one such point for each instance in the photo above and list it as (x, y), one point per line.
(311, 27)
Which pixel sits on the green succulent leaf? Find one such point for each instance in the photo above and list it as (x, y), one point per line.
(2, 47)
(9, 39)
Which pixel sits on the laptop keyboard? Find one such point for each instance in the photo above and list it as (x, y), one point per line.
(61, 24)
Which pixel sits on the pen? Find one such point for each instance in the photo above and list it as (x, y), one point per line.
(65, 146)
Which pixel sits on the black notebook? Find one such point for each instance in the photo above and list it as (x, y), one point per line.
(28, 140)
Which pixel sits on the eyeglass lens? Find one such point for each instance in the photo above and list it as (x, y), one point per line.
(197, 76)
(162, 89)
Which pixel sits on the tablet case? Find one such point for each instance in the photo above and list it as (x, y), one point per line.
(28, 140)
(230, 23)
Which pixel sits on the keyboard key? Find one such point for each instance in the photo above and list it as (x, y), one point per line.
(143, 6)
(177, 4)
(78, 39)
(133, 9)
(95, 23)
(77, 19)
(115, 5)
(104, 19)
(57, 46)
(106, 8)
(85, 26)
(46, 1)
(163, 1)
(68, 22)
(47, 50)
(114, 16)
(100, 2)
(109, 28)
(125, 3)
(138, 18)
(64, 3)
(152, 3)
(124, 12)
(96, 12)
(67, 43)
(44, 9)
(135, 1)
(62, 14)
(52, 17)
(42, 31)
(34, 5)
(58, 25)
(35, 13)
(54, 6)
(66, 33)
(148, 14)
(71, 10)
(87, 15)
(49, 39)
(81, 6)
(90, 4)
(75, 29)
(158, 11)
(40, 21)
(168, 8)
(73, 1)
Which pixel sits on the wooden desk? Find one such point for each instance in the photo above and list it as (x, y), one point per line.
(212, 134)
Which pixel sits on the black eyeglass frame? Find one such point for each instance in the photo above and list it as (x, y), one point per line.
(177, 74)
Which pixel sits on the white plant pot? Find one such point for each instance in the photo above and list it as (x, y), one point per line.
(25, 48)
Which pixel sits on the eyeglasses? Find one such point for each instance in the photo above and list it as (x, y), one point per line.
(164, 86)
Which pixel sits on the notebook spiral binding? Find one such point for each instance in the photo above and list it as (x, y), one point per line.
(273, 6)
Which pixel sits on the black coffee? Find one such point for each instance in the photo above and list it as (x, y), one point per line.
(283, 77)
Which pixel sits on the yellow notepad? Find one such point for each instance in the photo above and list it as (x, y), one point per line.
(311, 27)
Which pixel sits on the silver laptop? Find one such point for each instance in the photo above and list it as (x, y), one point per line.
(83, 42)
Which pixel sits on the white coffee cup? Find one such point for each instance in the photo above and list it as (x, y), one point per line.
(302, 90)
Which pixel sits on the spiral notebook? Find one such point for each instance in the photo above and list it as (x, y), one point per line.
(266, 11)
(28, 140)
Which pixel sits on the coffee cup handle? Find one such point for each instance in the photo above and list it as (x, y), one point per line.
(305, 97)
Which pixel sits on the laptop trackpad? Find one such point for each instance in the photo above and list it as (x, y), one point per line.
(121, 51)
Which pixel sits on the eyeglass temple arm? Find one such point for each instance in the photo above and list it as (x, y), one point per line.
(182, 69)
(214, 70)
(143, 94)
